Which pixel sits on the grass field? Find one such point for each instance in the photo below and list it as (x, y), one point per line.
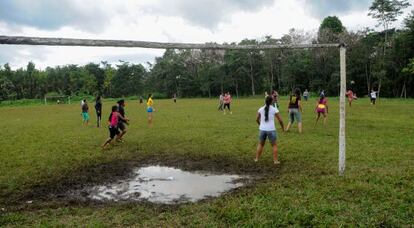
(45, 148)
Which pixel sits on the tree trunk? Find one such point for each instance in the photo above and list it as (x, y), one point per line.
(251, 75)
(368, 77)
(271, 75)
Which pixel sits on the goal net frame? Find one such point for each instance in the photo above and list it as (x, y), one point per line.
(22, 40)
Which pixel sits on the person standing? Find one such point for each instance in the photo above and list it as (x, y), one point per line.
(275, 96)
(306, 95)
(122, 123)
(140, 100)
(321, 108)
(175, 98)
(227, 102)
(350, 95)
(85, 114)
(221, 102)
(98, 109)
(295, 110)
(373, 96)
(150, 109)
(266, 120)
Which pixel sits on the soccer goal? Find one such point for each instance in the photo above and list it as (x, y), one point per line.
(21, 40)
(57, 99)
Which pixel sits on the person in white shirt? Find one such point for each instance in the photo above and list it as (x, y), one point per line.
(266, 121)
(373, 96)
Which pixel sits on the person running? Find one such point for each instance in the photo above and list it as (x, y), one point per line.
(221, 102)
(266, 121)
(98, 109)
(113, 120)
(227, 102)
(122, 123)
(275, 96)
(306, 95)
(350, 95)
(85, 114)
(321, 108)
(373, 96)
(295, 110)
(150, 109)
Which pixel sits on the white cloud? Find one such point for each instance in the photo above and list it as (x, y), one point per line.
(163, 21)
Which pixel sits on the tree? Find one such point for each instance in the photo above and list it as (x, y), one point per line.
(330, 30)
(386, 12)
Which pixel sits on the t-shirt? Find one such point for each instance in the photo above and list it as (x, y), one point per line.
(150, 102)
(221, 97)
(121, 111)
(85, 107)
(227, 99)
(98, 106)
(322, 104)
(374, 95)
(268, 125)
(306, 93)
(114, 119)
(294, 101)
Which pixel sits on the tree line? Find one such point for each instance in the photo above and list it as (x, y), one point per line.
(379, 60)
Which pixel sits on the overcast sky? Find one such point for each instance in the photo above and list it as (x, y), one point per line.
(196, 21)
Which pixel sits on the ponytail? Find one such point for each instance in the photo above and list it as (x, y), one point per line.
(268, 102)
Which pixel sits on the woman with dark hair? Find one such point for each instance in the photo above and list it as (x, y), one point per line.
(295, 110)
(266, 120)
(150, 109)
(321, 108)
(98, 109)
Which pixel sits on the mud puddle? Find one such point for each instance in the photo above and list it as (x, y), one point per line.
(166, 185)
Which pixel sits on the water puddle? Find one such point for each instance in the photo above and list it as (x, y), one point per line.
(167, 185)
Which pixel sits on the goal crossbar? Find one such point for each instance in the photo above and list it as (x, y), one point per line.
(49, 41)
(23, 40)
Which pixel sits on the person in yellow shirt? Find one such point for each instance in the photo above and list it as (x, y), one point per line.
(322, 108)
(150, 109)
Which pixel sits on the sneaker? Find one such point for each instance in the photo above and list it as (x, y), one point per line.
(255, 160)
(277, 162)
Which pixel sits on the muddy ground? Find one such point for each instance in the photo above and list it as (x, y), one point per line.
(67, 191)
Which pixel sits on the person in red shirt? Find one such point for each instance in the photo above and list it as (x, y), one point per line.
(227, 102)
(350, 95)
(321, 108)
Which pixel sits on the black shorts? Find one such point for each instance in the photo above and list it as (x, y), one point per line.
(121, 126)
(113, 131)
(227, 105)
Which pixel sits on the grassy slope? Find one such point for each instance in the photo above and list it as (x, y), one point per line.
(40, 143)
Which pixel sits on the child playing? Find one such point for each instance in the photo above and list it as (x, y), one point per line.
(322, 108)
(266, 120)
(114, 118)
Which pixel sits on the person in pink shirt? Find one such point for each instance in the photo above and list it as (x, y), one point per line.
(227, 102)
(350, 95)
(321, 108)
(113, 120)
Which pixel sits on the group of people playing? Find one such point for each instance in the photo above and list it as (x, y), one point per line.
(224, 102)
(352, 96)
(267, 114)
(117, 120)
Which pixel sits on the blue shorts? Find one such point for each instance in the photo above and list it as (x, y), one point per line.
(150, 109)
(271, 135)
(85, 116)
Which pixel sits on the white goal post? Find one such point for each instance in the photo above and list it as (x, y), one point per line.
(21, 40)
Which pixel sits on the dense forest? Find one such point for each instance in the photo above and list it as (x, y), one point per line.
(382, 60)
